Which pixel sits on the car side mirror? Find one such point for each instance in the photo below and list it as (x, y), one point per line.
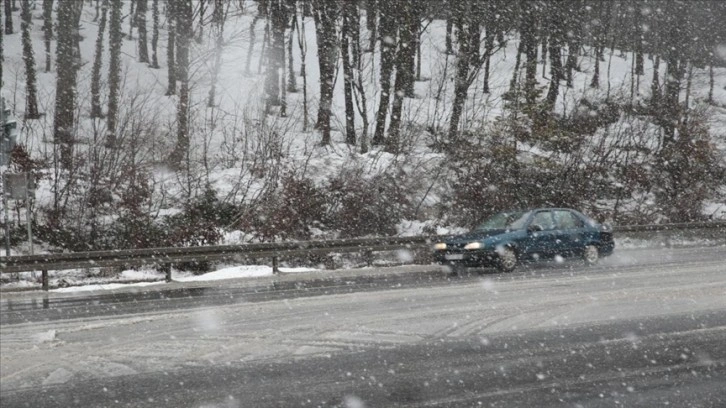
(534, 228)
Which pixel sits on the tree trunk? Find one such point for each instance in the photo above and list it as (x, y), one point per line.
(96, 111)
(349, 14)
(655, 85)
(114, 71)
(371, 17)
(387, 29)
(710, 83)
(154, 33)
(528, 27)
(671, 108)
(488, 49)
(291, 79)
(449, 29)
(407, 19)
(325, 13)
(31, 89)
(361, 100)
(8, 17)
(409, 39)
(219, 18)
(515, 70)
(132, 18)
(141, 23)
(555, 72)
(2, 46)
(639, 69)
(65, 103)
(275, 53)
(302, 45)
(170, 47)
(47, 31)
(467, 36)
(77, 11)
(252, 43)
(184, 17)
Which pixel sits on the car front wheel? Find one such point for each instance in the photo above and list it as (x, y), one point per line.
(507, 260)
(590, 255)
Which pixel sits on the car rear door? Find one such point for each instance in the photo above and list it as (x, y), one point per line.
(570, 230)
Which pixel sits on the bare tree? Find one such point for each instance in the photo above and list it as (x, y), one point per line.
(8, 17)
(184, 15)
(170, 46)
(154, 33)
(350, 17)
(141, 23)
(31, 89)
(302, 45)
(325, 13)
(96, 111)
(261, 11)
(279, 16)
(65, 96)
(47, 30)
(388, 35)
(114, 72)
(220, 12)
(2, 46)
(407, 20)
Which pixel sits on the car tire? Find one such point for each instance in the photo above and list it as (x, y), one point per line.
(507, 261)
(590, 254)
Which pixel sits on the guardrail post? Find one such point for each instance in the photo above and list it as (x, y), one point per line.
(167, 272)
(369, 258)
(44, 279)
(275, 267)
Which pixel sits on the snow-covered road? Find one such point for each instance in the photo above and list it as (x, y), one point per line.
(73, 350)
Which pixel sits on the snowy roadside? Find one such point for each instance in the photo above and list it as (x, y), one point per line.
(85, 280)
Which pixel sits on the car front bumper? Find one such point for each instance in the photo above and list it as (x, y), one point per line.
(466, 257)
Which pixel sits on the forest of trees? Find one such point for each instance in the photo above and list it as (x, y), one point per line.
(680, 36)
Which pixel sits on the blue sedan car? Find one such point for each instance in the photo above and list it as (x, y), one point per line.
(508, 238)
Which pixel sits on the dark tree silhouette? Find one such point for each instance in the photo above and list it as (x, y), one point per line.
(47, 30)
(141, 24)
(325, 13)
(184, 16)
(8, 17)
(96, 111)
(154, 33)
(170, 46)
(31, 88)
(388, 35)
(65, 96)
(114, 72)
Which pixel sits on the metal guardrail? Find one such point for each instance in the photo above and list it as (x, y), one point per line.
(167, 256)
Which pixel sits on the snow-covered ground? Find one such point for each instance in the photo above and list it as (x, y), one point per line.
(230, 138)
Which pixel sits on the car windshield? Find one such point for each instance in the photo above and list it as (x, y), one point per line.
(505, 220)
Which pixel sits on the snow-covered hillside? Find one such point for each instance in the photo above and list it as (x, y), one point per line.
(242, 153)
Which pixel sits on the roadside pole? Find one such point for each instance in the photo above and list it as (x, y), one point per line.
(7, 218)
(28, 217)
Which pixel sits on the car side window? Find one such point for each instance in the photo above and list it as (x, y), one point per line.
(567, 220)
(544, 219)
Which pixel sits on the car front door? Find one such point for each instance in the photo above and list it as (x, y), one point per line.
(541, 235)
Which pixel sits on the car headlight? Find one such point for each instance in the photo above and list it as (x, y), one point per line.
(440, 246)
(473, 245)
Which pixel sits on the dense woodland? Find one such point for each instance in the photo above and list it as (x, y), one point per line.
(622, 155)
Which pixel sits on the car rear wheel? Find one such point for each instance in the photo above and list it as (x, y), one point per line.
(507, 261)
(590, 255)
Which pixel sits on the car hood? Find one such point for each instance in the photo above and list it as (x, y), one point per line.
(477, 235)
